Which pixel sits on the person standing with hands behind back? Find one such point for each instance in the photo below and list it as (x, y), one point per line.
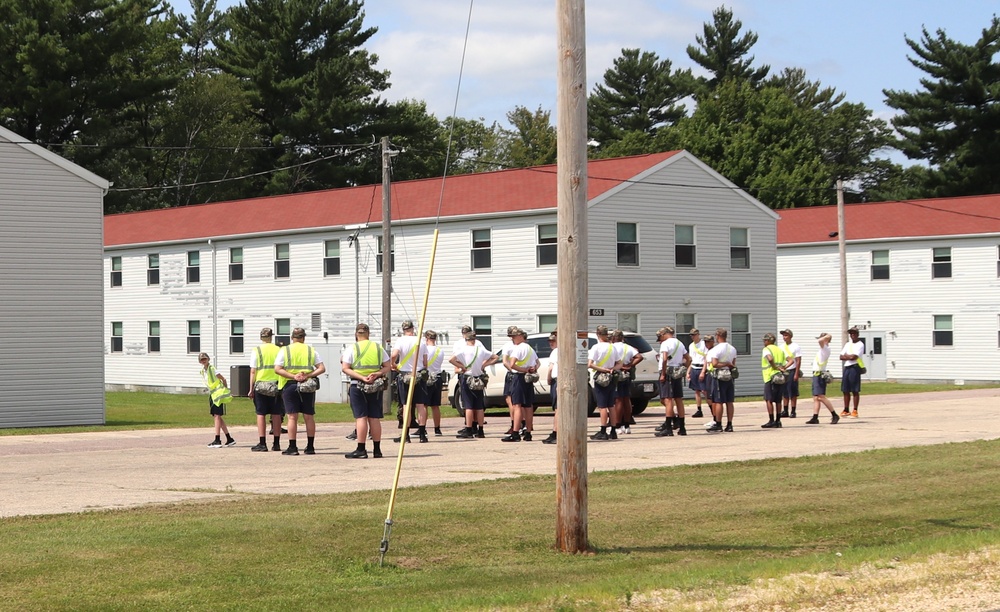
(365, 363)
(219, 396)
(295, 364)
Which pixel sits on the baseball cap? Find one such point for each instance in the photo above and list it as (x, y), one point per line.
(298, 332)
(266, 332)
(469, 335)
(710, 339)
(362, 328)
(407, 324)
(553, 335)
(694, 330)
(519, 332)
(466, 329)
(786, 331)
(769, 337)
(511, 330)
(853, 330)
(431, 334)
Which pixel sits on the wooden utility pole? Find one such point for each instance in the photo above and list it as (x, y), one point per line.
(845, 313)
(386, 268)
(571, 109)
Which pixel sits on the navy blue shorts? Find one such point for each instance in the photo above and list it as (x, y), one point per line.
(623, 388)
(773, 392)
(672, 388)
(605, 396)
(791, 388)
(365, 405)
(819, 386)
(553, 390)
(522, 393)
(419, 391)
(434, 392)
(471, 400)
(695, 384)
(724, 391)
(508, 381)
(264, 405)
(296, 402)
(851, 383)
(708, 387)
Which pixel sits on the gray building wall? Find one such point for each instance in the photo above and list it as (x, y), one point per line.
(51, 314)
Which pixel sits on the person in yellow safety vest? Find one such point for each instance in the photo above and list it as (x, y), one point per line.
(773, 360)
(521, 360)
(365, 362)
(295, 364)
(262, 372)
(218, 396)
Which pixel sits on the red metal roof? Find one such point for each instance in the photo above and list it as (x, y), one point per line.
(466, 194)
(904, 219)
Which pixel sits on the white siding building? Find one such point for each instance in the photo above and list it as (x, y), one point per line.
(50, 276)
(923, 285)
(671, 243)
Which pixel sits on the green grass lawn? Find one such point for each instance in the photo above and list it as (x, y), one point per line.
(488, 545)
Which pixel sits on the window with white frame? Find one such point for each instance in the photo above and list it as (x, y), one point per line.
(331, 258)
(739, 248)
(739, 333)
(153, 269)
(941, 267)
(116, 271)
(547, 250)
(117, 336)
(482, 249)
(193, 267)
(282, 261)
(547, 323)
(194, 337)
(378, 254)
(153, 337)
(943, 331)
(628, 244)
(683, 324)
(685, 255)
(236, 336)
(880, 265)
(283, 333)
(483, 326)
(235, 264)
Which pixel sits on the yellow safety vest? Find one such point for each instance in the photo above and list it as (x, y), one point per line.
(299, 357)
(523, 362)
(766, 368)
(219, 392)
(366, 361)
(266, 353)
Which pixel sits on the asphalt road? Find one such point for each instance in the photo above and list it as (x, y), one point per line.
(58, 473)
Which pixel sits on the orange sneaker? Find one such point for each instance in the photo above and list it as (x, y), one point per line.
(854, 414)
(845, 413)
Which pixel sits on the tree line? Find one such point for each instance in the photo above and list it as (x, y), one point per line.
(281, 96)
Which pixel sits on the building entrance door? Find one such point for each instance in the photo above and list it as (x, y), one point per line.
(874, 354)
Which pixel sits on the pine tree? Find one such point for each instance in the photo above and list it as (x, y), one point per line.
(723, 53)
(953, 121)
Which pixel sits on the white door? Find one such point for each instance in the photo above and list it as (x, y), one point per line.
(874, 354)
(330, 385)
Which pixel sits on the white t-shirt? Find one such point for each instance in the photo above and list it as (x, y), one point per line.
(627, 351)
(403, 345)
(698, 352)
(458, 346)
(672, 352)
(280, 359)
(435, 357)
(505, 350)
(821, 358)
(723, 351)
(853, 348)
(604, 355)
(554, 362)
(524, 352)
(793, 349)
(472, 357)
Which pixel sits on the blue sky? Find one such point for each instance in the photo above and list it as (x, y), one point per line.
(853, 45)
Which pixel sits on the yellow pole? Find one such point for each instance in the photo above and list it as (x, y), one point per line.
(408, 407)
